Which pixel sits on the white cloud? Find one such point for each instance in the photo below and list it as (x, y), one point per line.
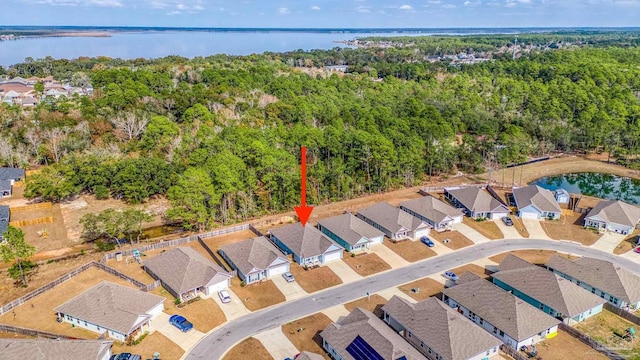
(315, 7)
(363, 9)
(406, 7)
(284, 11)
(449, 6)
(175, 12)
(472, 3)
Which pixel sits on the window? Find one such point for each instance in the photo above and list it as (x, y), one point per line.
(501, 333)
(408, 334)
(593, 290)
(495, 330)
(85, 324)
(481, 321)
(541, 306)
(429, 351)
(421, 344)
(578, 282)
(488, 352)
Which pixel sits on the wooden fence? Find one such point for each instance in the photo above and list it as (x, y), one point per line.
(591, 342)
(622, 313)
(31, 332)
(117, 273)
(515, 354)
(255, 230)
(37, 221)
(40, 206)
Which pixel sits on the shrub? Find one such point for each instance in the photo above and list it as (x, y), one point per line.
(105, 245)
(177, 301)
(243, 283)
(139, 340)
(29, 267)
(101, 192)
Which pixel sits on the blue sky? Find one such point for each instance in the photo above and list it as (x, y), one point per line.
(322, 13)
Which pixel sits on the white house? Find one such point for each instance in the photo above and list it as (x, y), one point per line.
(308, 245)
(351, 232)
(534, 202)
(613, 215)
(396, 224)
(439, 215)
(255, 259)
(562, 196)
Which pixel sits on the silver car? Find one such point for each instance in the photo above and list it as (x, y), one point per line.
(289, 277)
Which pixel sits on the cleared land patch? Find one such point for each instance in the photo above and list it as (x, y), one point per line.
(304, 333)
(366, 264)
(411, 251)
(314, 279)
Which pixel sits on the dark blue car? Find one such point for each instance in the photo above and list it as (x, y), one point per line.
(181, 323)
(425, 240)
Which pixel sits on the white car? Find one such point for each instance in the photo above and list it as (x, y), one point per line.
(224, 296)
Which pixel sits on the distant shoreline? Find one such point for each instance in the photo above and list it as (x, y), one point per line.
(73, 34)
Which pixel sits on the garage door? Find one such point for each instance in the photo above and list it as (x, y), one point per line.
(278, 269)
(336, 255)
(495, 216)
(219, 286)
(420, 233)
(528, 215)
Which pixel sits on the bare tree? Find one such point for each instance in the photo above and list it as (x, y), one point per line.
(54, 142)
(131, 124)
(33, 140)
(6, 150)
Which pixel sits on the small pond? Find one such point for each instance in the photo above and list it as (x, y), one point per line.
(605, 186)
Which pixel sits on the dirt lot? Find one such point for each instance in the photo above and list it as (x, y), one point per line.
(564, 346)
(217, 242)
(38, 312)
(601, 327)
(486, 227)
(456, 239)
(305, 333)
(366, 264)
(56, 232)
(538, 257)
(627, 244)
(373, 304)
(427, 288)
(250, 348)
(570, 227)
(314, 279)
(479, 270)
(204, 314)
(150, 344)
(411, 251)
(257, 295)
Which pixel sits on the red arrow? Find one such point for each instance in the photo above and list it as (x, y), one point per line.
(303, 211)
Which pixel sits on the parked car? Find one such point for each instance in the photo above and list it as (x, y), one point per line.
(425, 240)
(224, 296)
(289, 277)
(181, 323)
(507, 221)
(637, 250)
(450, 275)
(125, 356)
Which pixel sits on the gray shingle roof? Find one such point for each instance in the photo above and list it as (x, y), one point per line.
(304, 241)
(542, 199)
(4, 219)
(11, 173)
(305, 355)
(476, 199)
(392, 218)
(600, 274)
(46, 349)
(183, 269)
(5, 185)
(548, 288)
(443, 329)
(615, 211)
(514, 316)
(350, 228)
(382, 338)
(111, 306)
(431, 208)
(256, 253)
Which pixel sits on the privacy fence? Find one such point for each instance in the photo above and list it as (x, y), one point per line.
(591, 342)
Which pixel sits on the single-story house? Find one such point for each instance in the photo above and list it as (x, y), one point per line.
(476, 203)
(255, 259)
(350, 232)
(438, 331)
(534, 202)
(602, 278)
(55, 349)
(613, 215)
(308, 245)
(395, 223)
(440, 215)
(184, 272)
(116, 310)
(547, 291)
(562, 196)
(4, 219)
(510, 319)
(363, 336)
(8, 177)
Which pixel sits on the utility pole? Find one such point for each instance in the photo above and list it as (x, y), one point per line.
(515, 45)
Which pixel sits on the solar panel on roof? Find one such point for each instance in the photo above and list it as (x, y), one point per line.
(361, 350)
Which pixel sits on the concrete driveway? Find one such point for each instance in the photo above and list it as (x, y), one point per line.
(471, 233)
(535, 229)
(389, 256)
(290, 290)
(344, 272)
(277, 344)
(509, 232)
(440, 249)
(390, 292)
(335, 313)
(234, 309)
(608, 242)
(186, 340)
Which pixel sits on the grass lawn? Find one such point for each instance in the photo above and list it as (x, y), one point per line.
(601, 328)
(374, 304)
(155, 342)
(476, 269)
(570, 227)
(411, 251)
(519, 226)
(627, 244)
(250, 348)
(314, 279)
(486, 227)
(257, 295)
(304, 333)
(564, 346)
(204, 314)
(366, 264)
(427, 288)
(456, 239)
(538, 257)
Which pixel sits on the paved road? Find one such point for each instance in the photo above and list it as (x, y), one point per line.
(216, 343)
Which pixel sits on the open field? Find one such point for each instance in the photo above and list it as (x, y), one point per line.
(564, 346)
(149, 345)
(366, 264)
(426, 288)
(373, 304)
(538, 257)
(305, 333)
(456, 239)
(38, 313)
(478, 270)
(570, 227)
(314, 279)
(257, 295)
(250, 348)
(627, 244)
(485, 227)
(411, 251)
(601, 327)
(204, 314)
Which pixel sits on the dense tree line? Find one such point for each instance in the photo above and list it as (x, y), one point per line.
(220, 136)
